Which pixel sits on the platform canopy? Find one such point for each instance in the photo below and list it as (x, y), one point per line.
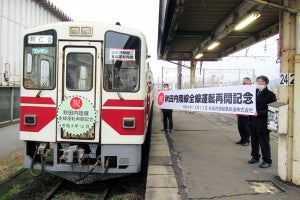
(187, 27)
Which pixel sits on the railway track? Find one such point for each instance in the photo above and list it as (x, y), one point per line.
(53, 190)
(28, 187)
(14, 176)
(48, 187)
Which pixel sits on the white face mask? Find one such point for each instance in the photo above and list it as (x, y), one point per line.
(260, 87)
(165, 89)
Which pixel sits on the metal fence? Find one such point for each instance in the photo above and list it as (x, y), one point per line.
(9, 105)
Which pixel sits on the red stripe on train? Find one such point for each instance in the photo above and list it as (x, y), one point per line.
(114, 118)
(124, 103)
(35, 100)
(44, 115)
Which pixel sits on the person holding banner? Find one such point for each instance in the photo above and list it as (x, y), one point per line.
(260, 135)
(243, 122)
(167, 115)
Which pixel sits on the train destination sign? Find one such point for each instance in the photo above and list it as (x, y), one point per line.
(230, 99)
(76, 115)
(40, 39)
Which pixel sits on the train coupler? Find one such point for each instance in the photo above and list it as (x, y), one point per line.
(71, 152)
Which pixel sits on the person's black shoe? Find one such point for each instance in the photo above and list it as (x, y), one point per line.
(245, 144)
(239, 142)
(163, 129)
(264, 165)
(253, 161)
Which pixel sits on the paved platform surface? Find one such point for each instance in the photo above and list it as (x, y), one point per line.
(161, 179)
(207, 164)
(9, 139)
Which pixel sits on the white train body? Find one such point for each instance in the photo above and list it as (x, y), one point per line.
(85, 100)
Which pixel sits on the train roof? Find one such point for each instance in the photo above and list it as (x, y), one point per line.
(96, 25)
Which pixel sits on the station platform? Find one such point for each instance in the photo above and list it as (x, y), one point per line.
(202, 161)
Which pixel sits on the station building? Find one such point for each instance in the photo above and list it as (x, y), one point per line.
(17, 16)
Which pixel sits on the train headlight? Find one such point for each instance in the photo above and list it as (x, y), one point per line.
(74, 30)
(80, 31)
(128, 122)
(86, 31)
(30, 120)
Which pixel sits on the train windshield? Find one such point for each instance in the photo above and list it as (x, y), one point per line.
(39, 60)
(122, 62)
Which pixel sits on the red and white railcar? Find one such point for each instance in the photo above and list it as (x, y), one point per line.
(86, 97)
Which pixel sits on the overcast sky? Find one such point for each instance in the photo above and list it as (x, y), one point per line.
(143, 15)
(139, 14)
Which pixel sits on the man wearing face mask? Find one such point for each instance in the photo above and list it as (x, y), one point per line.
(260, 135)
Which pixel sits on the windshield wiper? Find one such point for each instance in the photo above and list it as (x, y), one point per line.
(120, 96)
(38, 95)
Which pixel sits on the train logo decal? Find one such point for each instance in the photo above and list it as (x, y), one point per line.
(76, 115)
(76, 103)
(161, 98)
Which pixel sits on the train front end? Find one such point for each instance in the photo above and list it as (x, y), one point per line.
(84, 101)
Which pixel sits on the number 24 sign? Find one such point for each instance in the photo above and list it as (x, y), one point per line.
(287, 78)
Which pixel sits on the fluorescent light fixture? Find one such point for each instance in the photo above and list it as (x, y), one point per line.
(213, 45)
(247, 20)
(199, 55)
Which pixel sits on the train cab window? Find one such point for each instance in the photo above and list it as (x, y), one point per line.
(39, 68)
(39, 60)
(79, 71)
(122, 62)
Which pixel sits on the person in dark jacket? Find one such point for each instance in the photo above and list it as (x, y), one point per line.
(243, 122)
(167, 115)
(260, 135)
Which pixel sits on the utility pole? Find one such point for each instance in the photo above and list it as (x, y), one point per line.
(192, 73)
(179, 74)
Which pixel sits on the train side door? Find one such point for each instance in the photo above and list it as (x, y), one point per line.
(79, 98)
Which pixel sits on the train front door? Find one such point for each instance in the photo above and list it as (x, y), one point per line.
(79, 97)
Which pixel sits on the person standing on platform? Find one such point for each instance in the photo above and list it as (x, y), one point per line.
(167, 115)
(243, 122)
(260, 135)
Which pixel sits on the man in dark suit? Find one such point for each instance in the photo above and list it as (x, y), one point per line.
(260, 135)
(243, 122)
